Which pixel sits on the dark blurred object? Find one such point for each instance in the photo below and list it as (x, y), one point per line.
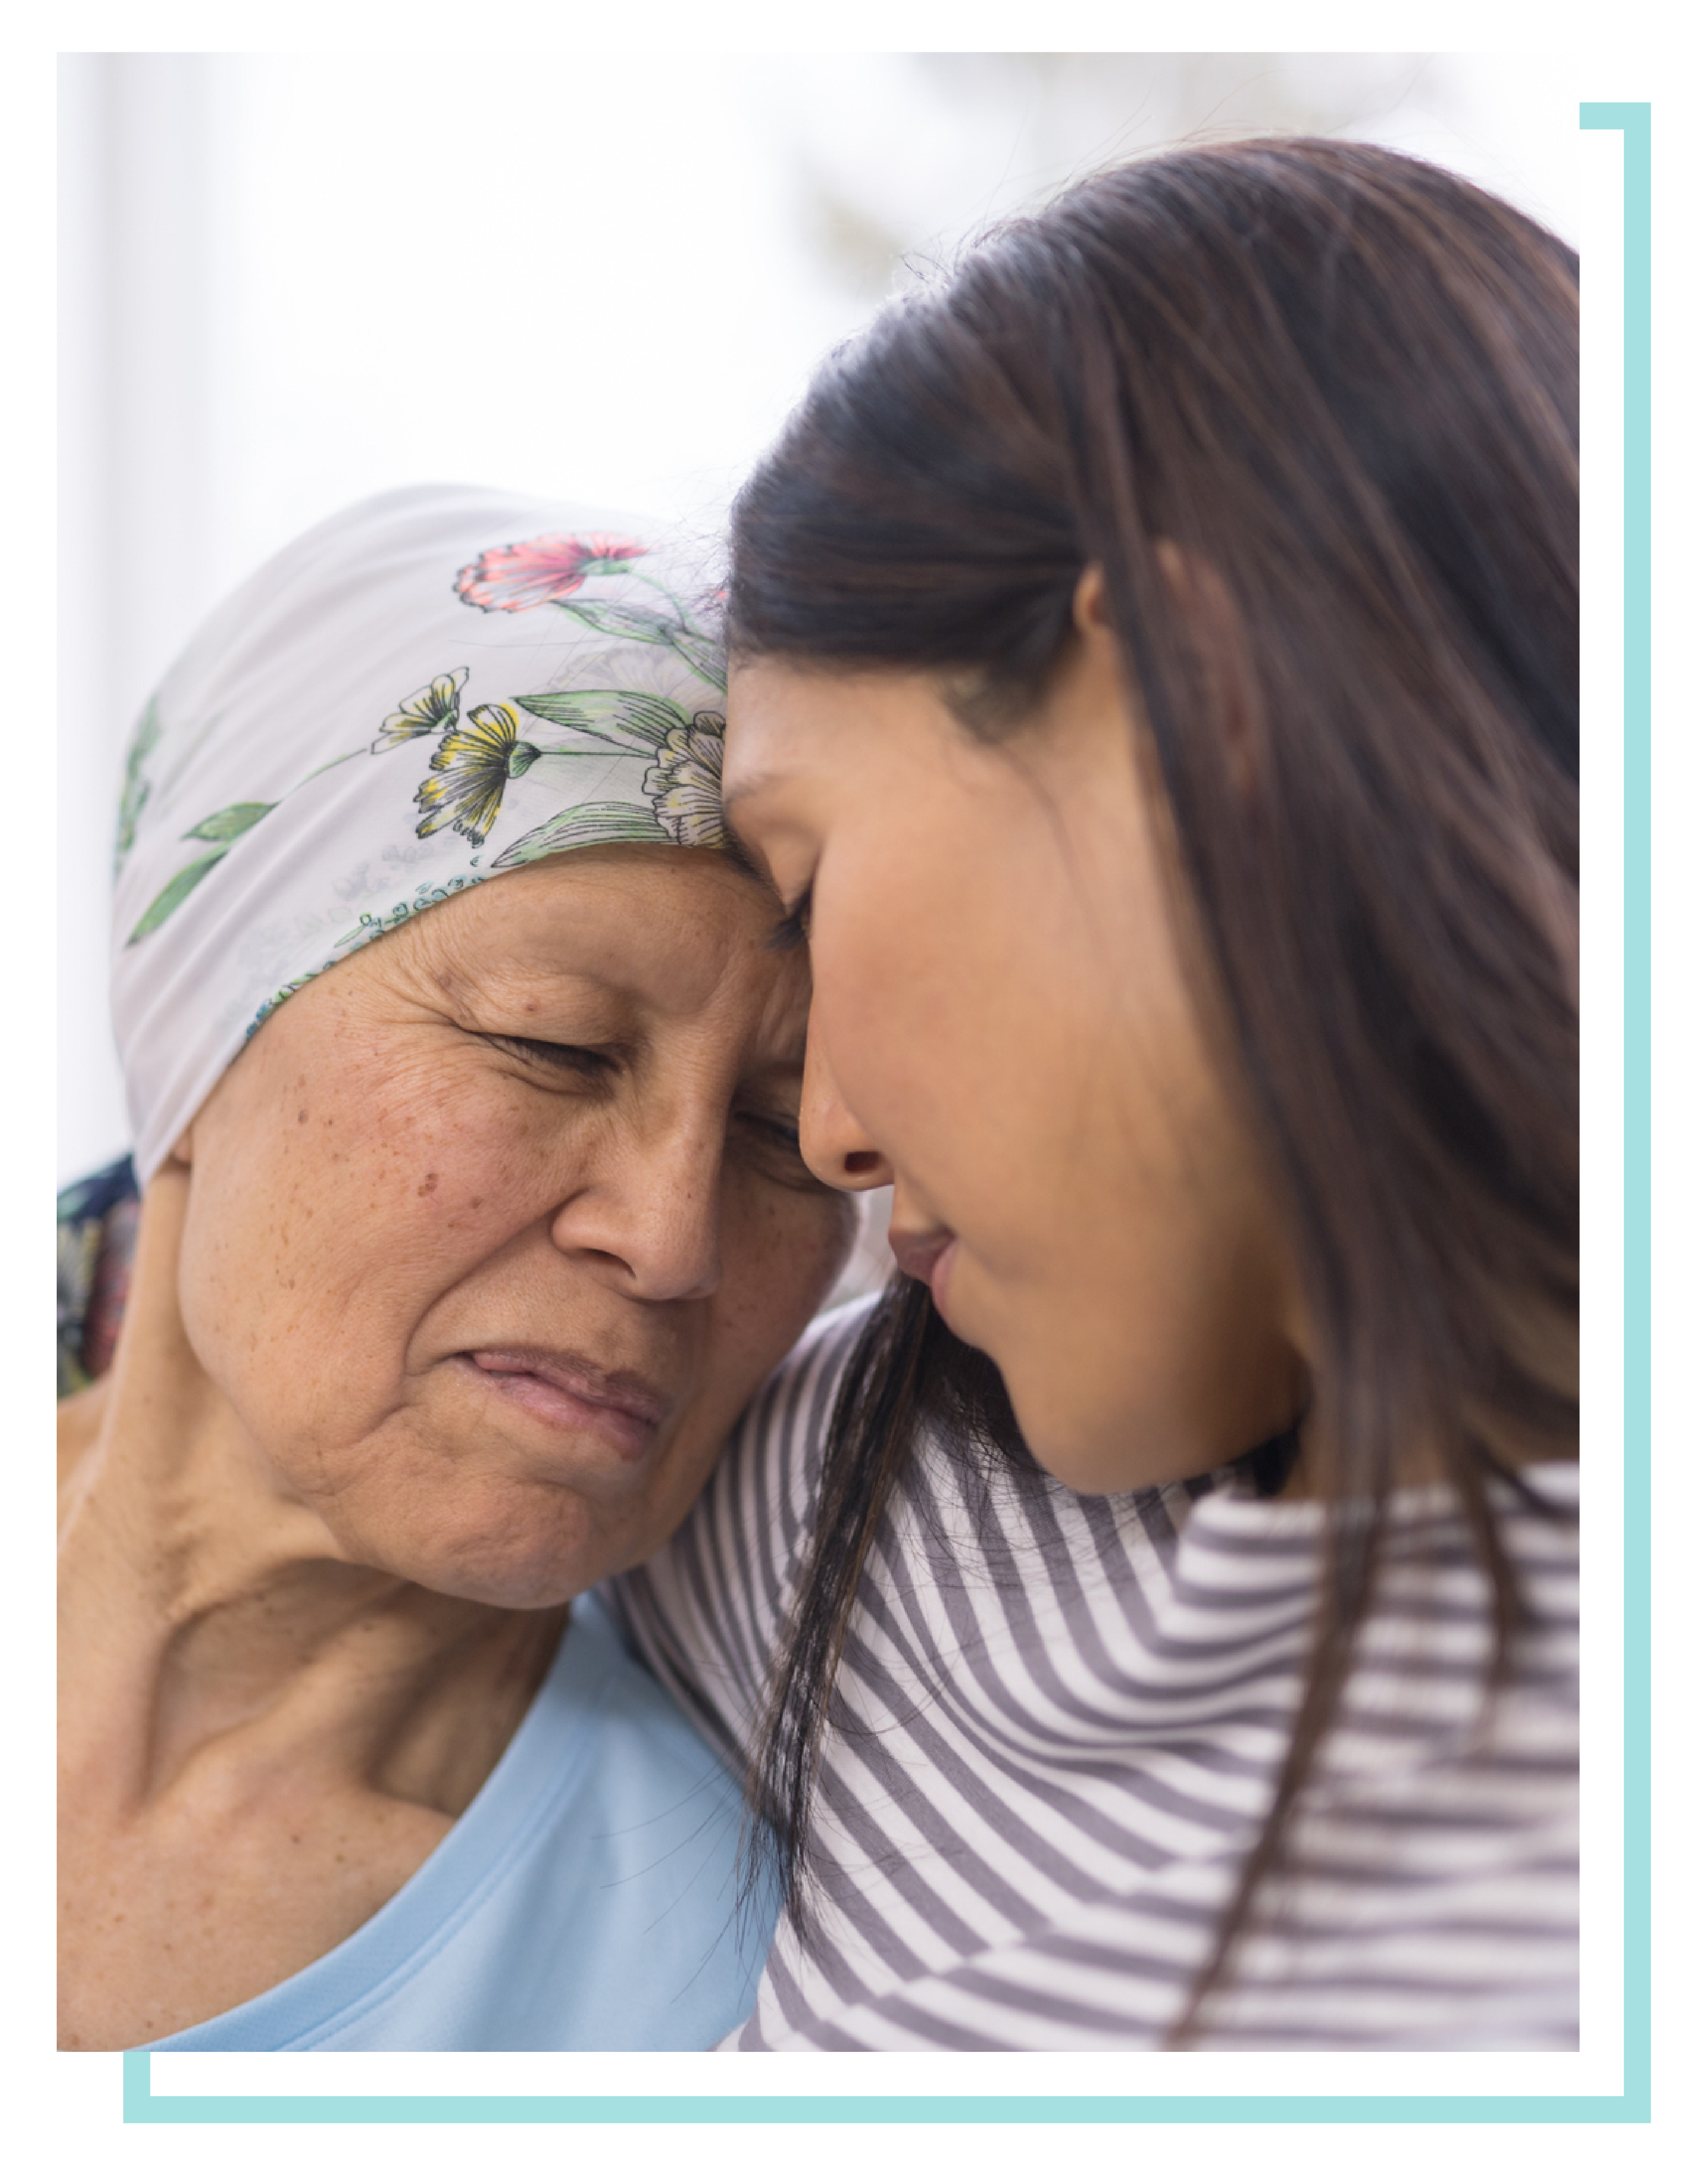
(18, 550)
(97, 1243)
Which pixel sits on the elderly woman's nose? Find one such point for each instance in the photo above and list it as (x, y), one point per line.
(655, 1218)
(833, 1142)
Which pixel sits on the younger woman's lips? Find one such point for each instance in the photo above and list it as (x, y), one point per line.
(940, 1281)
(926, 1256)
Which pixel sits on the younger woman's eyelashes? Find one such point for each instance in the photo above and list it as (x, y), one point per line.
(794, 929)
(773, 1140)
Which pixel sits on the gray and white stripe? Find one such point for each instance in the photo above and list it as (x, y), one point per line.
(1057, 1724)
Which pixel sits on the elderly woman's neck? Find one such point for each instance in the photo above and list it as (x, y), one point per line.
(198, 1596)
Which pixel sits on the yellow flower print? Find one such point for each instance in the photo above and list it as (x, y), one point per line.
(430, 711)
(471, 769)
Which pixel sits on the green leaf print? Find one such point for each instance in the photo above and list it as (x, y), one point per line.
(170, 896)
(226, 824)
(593, 825)
(135, 790)
(615, 617)
(646, 624)
(624, 719)
(702, 655)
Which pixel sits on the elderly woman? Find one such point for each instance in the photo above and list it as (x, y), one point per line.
(465, 1088)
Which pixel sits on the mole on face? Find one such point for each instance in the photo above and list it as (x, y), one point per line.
(429, 1186)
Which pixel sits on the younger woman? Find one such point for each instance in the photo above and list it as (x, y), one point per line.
(1155, 702)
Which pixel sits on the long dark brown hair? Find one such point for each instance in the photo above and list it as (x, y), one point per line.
(1311, 409)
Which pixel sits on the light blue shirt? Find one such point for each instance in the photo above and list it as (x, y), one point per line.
(585, 1901)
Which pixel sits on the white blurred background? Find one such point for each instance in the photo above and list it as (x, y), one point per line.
(289, 280)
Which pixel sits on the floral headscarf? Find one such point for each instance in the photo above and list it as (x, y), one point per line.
(430, 689)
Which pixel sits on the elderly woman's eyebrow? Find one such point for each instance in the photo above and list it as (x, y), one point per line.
(533, 989)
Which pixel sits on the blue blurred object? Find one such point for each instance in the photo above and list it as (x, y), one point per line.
(1603, 1512)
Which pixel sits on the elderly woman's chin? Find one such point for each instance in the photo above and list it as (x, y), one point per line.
(484, 1500)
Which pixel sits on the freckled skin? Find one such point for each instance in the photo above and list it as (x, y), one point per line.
(313, 1561)
(649, 1216)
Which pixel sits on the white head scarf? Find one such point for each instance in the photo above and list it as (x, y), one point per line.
(434, 687)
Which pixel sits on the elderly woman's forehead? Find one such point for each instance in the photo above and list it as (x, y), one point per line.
(667, 927)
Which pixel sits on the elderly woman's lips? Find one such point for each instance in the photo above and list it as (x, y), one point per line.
(575, 1394)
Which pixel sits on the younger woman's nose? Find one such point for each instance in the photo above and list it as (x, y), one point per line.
(833, 1142)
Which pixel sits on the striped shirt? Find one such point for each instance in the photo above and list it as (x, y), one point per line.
(1057, 1725)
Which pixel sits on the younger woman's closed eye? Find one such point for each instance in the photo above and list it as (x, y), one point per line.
(773, 1140)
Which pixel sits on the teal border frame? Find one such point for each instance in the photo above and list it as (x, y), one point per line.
(1665, 1051)
(141, 2104)
(1667, 1230)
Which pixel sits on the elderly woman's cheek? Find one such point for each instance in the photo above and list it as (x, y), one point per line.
(299, 1223)
(786, 1251)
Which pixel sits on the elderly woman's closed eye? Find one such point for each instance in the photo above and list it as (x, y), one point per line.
(465, 1085)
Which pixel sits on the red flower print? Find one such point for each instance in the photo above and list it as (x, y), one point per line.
(514, 578)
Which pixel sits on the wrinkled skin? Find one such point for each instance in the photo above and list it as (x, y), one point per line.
(440, 1313)
(433, 1191)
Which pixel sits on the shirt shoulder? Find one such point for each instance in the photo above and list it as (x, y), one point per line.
(589, 1899)
(705, 1611)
